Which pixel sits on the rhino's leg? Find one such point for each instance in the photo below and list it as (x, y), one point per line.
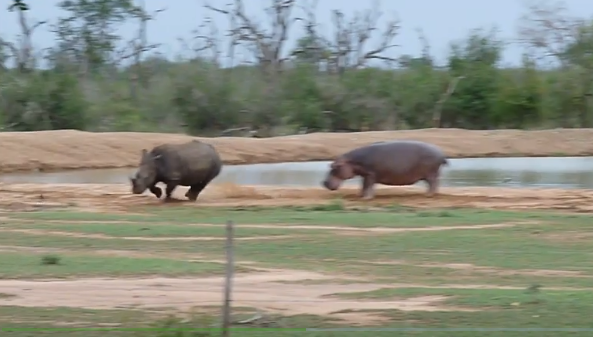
(195, 190)
(169, 190)
(191, 194)
(156, 191)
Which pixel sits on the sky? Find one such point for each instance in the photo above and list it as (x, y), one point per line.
(441, 21)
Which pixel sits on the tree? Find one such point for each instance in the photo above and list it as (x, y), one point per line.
(475, 59)
(87, 33)
(18, 5)
(22, 50)
(554, 35)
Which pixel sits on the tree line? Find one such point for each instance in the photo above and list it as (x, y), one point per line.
(341, 82)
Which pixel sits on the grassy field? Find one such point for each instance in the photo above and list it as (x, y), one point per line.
(491, 269)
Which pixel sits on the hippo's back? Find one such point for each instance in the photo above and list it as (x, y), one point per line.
(408, 150)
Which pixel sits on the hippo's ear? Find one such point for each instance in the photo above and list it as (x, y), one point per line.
(143, 152)
(339, 162)
(359, 170)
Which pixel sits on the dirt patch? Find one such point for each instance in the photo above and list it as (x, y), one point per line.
(260, 290)
(340, 229)
(78, 222)
(567, 236)
(336, 228)
(142, 238)
(71, 149)
(117, 198)
(265, 291)
(379, 231)
(503, 272)
(284, 292)
(486, 270)
(362, 318)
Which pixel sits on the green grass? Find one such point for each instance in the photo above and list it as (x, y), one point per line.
(493, 248)
(134, 323)
(556, 242)
(27, 265)
(513, 247)
(494, 308)
(388, 217)
(163, 230)
(82, 216)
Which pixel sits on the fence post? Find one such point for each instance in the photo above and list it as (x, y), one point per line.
(228, 284)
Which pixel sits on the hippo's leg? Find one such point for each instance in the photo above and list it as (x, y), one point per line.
(169, 190)
(194, 191)
(368, 187)
(156, 191)
(433, 184)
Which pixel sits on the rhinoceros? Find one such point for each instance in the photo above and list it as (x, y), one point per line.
(193, 164)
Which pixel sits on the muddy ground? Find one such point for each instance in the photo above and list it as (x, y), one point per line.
(69, 149)
(114, 198)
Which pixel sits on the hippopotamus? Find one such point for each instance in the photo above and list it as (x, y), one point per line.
(193, 164)
(393, 163)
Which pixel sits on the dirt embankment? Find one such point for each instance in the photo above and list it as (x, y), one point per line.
(69, 149)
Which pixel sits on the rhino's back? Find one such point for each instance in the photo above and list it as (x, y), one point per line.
(191, 161)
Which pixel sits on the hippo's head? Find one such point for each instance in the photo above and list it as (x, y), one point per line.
(340, 170)
(146, 173)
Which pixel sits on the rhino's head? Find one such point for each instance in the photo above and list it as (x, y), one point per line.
(146, 173)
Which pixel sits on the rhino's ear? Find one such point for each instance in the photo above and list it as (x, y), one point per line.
(161, 164)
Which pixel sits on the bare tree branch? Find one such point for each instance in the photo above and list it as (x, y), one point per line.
(348, 46)
(266, 46)
(547, 27)
(209, 40)
(23, 54)
(139, 45)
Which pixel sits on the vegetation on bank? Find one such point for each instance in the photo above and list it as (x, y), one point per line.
(323, 83)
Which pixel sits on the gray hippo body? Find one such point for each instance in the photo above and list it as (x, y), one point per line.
(193, 164)
(394, 163)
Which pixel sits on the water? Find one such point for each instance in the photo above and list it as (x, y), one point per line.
(565, 172)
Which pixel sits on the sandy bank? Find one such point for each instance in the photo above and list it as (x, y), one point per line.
(69, 149)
